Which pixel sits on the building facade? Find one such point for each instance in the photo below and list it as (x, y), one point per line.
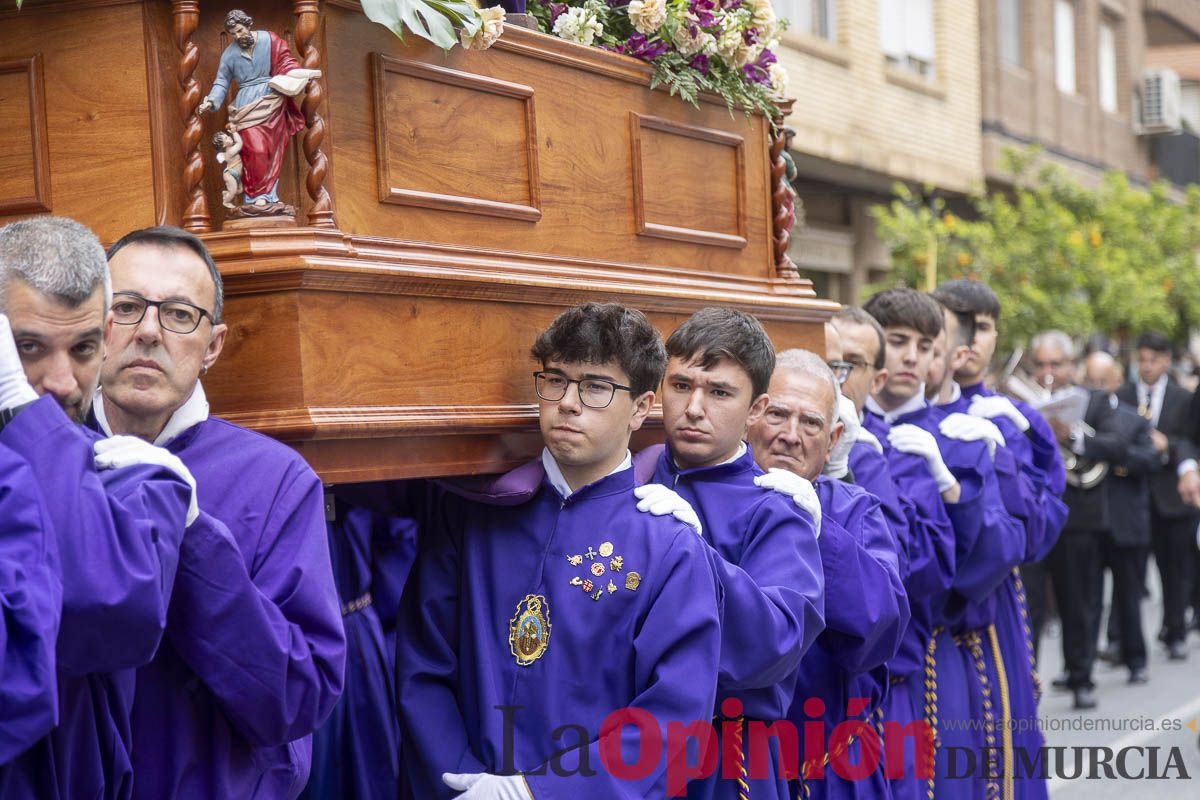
(887, 91)
(934, 92)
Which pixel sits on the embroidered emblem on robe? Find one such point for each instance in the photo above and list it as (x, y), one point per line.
(529, 630)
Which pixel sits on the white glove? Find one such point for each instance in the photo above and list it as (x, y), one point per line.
(118, 452)
(998, 406)
(799, 489)
(14, 387)
(967, 428)
(864, 435)
(482, 786)
(839, 458)
(661, 501)
(920, 442)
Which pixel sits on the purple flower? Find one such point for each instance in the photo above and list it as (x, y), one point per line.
(703, 11)
(765, 59)
(756, 74)
(639, 47)
(699, 63)
(750, 36)
(728, 4)
(556, 10)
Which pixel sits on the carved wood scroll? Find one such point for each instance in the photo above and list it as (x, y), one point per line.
(320, 215)
(783, 208)
(195, 214)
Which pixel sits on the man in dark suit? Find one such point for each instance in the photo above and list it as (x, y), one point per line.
(1172, 522)
(1126, 488)
(1076, 561)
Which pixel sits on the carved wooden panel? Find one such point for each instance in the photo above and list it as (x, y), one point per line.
(24, 151)
(455, 141)
(669, 202)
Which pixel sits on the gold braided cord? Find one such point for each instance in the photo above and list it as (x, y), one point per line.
(974, 647)
(1005, 714)
(931, 706)
(1023, 607)
(743, 785)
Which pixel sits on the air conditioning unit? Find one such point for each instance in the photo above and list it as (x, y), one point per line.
(1162, 103)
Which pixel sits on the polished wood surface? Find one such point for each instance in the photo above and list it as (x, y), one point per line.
(450, 205)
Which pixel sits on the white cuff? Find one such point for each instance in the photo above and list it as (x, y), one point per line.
(1185, 466)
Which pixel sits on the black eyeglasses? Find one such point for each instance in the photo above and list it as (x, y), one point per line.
(593, 392)
(129, 308)
(841, 370)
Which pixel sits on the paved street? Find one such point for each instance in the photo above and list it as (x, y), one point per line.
(1171, 699)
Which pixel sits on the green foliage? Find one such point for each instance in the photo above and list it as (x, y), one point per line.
(435, 20)
(1117, 259)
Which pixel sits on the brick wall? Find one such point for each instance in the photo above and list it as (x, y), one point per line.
(853, 110)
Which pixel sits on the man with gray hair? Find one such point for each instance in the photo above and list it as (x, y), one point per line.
(1075, 561)
(866, 606)
(116, 531)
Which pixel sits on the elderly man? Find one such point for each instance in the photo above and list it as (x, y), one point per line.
(253, 658)
(866, 607)
(116, 532)
(1075, 561)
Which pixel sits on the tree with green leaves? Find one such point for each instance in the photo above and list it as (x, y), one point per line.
(1117, 259)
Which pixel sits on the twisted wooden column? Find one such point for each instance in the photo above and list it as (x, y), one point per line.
(187, 17)
(321, 213)
(783, 203)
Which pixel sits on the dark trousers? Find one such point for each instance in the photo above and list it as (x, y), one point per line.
(1125, 612)
(1075, 564)
(1034, 577)
(1173, 541)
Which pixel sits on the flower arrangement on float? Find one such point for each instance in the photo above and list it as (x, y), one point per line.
(726, 47)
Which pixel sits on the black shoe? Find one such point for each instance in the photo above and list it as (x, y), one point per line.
(1138, 677)
(1061, 682)
(1176, 651)
(1085, 698)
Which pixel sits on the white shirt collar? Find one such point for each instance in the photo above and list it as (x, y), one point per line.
(1155, 388)
(192, 412)
(554, 473)
(914, 403)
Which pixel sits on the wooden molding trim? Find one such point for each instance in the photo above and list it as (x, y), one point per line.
(297, 258)
(58, 6)
(39, 201)
(390, 193)
(378, 421)
(637, 122)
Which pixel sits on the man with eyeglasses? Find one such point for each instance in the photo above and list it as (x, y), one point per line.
(253, 658)
(528, 619)
(866, 607)
(114, 514)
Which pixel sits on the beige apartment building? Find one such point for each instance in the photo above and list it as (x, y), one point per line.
(932, 92)
(887, 91)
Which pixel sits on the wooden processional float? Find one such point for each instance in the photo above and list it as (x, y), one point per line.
(447, 207)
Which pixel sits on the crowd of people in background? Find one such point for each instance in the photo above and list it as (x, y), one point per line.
(858, 539)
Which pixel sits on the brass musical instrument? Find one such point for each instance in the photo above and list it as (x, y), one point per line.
(1082, 473)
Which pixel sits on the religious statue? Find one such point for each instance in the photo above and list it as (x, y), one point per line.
(262, 115)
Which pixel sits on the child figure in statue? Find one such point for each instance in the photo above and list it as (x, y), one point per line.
(228, 144)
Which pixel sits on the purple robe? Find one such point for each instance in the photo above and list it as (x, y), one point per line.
(118, 534)
(30, 605)
(253, 659)
(609, 640)
(866, 613)
(356, 752)
(1041, 462)
(769, 571)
